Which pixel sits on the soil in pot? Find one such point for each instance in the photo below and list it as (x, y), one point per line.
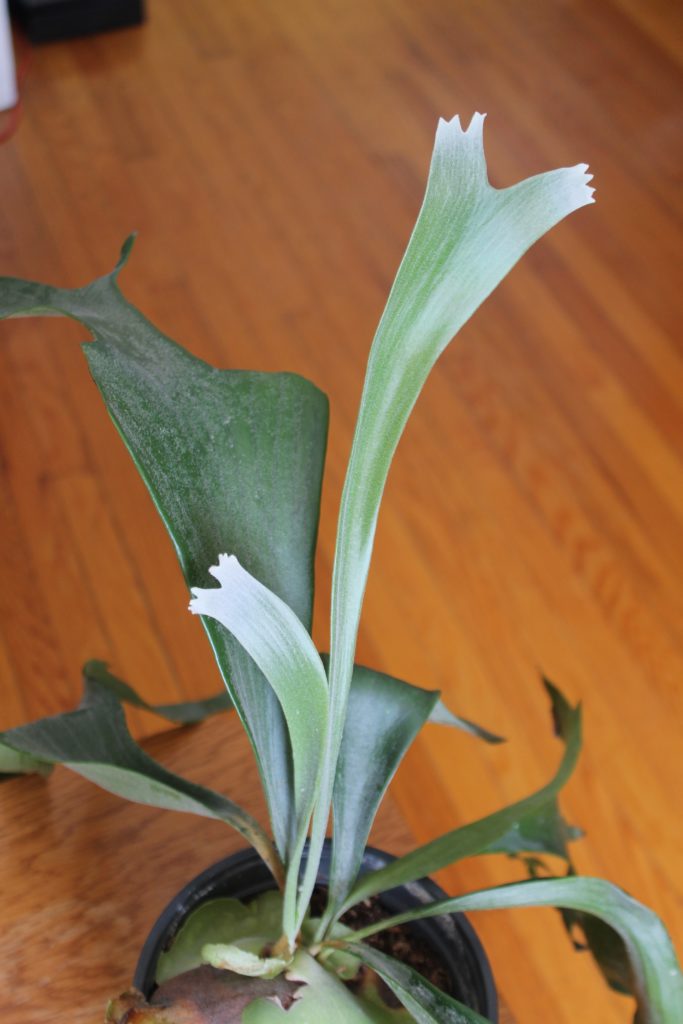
(400, 942)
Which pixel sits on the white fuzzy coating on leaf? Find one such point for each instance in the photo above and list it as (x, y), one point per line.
(456, 146)
(269, 631)
(277, 641)
(467, 237)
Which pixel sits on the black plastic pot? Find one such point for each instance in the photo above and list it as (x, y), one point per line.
(244, 875)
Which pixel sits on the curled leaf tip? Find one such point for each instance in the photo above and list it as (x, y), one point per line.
(126, 250)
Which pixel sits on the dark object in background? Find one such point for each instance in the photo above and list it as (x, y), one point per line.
(45, 21)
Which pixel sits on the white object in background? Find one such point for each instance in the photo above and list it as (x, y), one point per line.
(8, 77)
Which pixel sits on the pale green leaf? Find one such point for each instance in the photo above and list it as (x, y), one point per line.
(284, 652)
(16, 762)
(322, 1000)
(221, 920)
(235, 958)
(467, 237)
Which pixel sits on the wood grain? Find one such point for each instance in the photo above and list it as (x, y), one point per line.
(272, 157)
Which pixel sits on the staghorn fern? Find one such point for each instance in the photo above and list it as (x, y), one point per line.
(233, 461)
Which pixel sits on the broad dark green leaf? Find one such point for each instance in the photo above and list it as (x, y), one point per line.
(384, 716)
(233, 461)
(657, 981)
(426, 1003)
(98, 682)
(467, 237)
(530, 825)
(98, 679)
(94, 742)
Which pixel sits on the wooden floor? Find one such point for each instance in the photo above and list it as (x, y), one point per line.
(272, 156)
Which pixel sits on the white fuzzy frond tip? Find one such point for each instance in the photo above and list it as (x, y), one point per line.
(227, 564)
(455, 122)
(476, 125)
(227, 568)
(582, 178)
(454, 128)
(571, 190)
